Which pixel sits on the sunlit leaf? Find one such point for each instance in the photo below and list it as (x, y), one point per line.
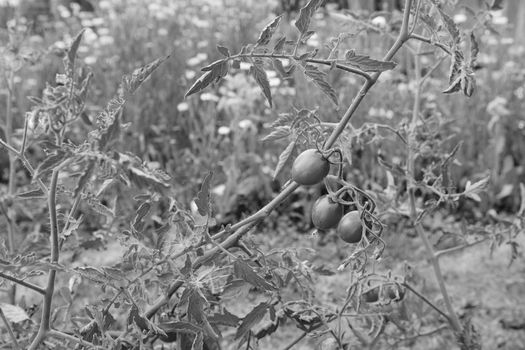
(258, 72)
(268, 31)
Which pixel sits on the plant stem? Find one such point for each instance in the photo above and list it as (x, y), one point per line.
(452, 316)
(48, 297)
(23, 283)
(12, 175)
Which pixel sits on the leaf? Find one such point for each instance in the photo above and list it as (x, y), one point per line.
(223, 50)
(277, 134)
(366, 63)
(305, 15)
(496, 5)
(94, 275)
(214, 72)
(32, 194)
(110, 134)
(451, 26)
(14, 313)
(243, 271)
(285, 73)
(132, 82)
(251, 319)
(279, 45)
(225, 319)
(203, 196)
(318, 78)
(143, 323)
(72, 52)
(84, 178)
(283, 158)
(261, 78)
(179, 327)
(268, 31)
(141, 212)
(474, 50)
(49, 164)
(472, 190)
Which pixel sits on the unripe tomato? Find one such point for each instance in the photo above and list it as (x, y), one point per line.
(371, 295)
(350, 229)
(310, 167)
(392, 292)
(326, 213)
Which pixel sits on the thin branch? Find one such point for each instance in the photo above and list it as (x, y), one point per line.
(430, 42)
(23, 283)
(419, 335)
(425, 299)
(9, 330)
(458, 248)
(296, 341)
(61, 335)
(48, 297)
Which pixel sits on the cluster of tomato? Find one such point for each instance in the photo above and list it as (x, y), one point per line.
(310, 168)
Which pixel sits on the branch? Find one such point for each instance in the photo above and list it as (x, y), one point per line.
(23, 283)
(425, 299)
(60, 335)
(429, 41)
(440, 253)
(48, 297)
(326, 62)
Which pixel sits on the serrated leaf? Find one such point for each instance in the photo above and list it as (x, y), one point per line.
(179, 327)
(132, 82)
(72, 51)
(49, 164)
(94, 275)
(110, 134)
(454, 86)
(318, 78)
(203, 196)
(277, 134)
(141, 212)
(33, 194)
(283, 159)
(225, 319)
(268, 31)
(223, 50)
(261, 78)
(496, 5)
(285, 73)
(143, 323)
(196, 303)
(201, 83)
(474, 50)
(243, 271)
(251, 319)
(472, 189)
(366, 63)
(84, 179)
(451, 26)
(14, 313)
(279, 45)
(305, 15)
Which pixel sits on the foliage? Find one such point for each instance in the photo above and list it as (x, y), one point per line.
(161, 181)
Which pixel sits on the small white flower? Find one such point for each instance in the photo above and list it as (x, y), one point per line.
(379, 21)
(209, 97)
(460, 18)
(223, 130)
(183, 106)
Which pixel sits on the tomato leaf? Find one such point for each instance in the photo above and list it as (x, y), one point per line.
(251, 319)
(305, 15)
(261, 78)
(223, 50)
(279, 45)
(450, 25)
(203, 196)
(366, 63)
(49, 164)
(283, 158)
(32, 194)
(243, 271)
(225, 318)
(13, 313)
(277, 134)
(268, 31)
(318, 78)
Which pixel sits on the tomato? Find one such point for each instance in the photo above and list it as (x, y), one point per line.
(326, 213)
(391, 290)
(310, 167)
(371, 295)
(349, 228)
